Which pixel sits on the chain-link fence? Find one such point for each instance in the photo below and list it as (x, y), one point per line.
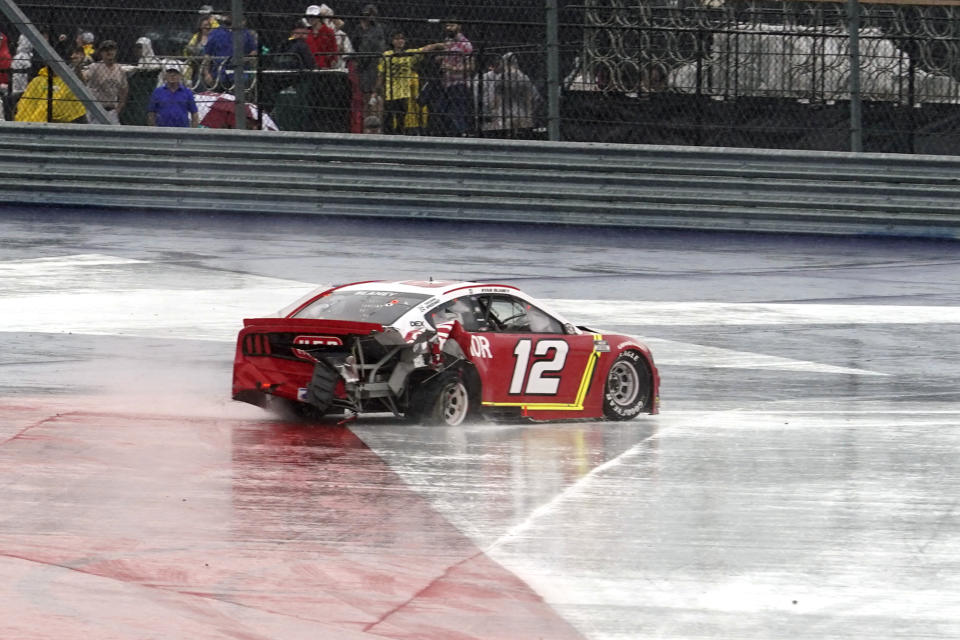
(768, 74)
(706, 72)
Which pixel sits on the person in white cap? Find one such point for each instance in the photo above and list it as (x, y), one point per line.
(322, 39)
(172, 105)
(344, 45)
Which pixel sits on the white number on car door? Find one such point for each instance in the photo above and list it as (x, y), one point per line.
(542, 377)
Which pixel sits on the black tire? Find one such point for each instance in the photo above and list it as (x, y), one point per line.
(321, 387)
(626, 391)
(446, 399)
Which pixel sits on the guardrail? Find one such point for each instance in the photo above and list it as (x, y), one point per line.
(467, 179)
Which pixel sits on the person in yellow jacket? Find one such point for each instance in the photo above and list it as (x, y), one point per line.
(32, 106)
(397, 78)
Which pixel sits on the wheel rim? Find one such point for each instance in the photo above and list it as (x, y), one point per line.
(455, 404)
(623, 384)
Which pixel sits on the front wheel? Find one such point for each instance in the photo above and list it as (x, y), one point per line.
(627, 391)
(443, 400)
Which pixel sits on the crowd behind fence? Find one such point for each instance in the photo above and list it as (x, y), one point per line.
(706, 72)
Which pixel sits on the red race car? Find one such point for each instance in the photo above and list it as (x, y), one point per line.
(439, 352)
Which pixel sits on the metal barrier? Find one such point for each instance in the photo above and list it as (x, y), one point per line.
(614, 185)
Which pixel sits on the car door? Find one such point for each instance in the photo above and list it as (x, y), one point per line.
(525, 357)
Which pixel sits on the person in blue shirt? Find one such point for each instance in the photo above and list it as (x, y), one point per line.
(218, 52)
(172, 105)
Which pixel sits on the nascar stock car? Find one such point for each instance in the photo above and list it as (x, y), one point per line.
(439, 352)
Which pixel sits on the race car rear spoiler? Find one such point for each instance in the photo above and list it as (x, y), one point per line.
(270, 325)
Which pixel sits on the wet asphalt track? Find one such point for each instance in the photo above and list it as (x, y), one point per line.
(801, 482)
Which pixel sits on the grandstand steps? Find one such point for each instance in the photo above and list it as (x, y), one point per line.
(490, 180)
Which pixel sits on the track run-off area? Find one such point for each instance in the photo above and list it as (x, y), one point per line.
(800, 482)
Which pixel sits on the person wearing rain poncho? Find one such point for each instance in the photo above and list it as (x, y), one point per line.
(32, 106)
(509, 98)
(20, 66)
(147, 60)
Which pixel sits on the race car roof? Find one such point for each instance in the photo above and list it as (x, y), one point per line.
(438, 289)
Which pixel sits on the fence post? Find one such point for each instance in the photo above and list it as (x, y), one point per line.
(239, 105)
(856, 111)
(553, 71)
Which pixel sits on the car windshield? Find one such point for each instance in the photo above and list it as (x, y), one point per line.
(381, 307)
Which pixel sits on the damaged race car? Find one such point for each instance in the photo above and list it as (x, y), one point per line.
(439, 352)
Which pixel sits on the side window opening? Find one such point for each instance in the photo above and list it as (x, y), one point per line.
(541, 322)
(465, 310)
(511, 315)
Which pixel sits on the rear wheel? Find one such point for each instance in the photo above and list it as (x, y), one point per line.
(446, 400)
(320, 391)
(627, 390)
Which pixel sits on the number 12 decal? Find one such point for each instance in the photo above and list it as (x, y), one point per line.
(541, 381)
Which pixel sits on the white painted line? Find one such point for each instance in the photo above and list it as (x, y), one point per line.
(517, 530)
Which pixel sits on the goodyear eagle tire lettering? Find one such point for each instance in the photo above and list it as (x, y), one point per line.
(627, 388)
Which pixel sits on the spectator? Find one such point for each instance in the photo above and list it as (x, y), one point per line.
(322, 39)
(33, 104)
(370, 41)
(21, 66)
(147, 60)
(218, 62)
(344, 45)
(143, 52)
(509, 98)
(519, 96)
(489, 106)
(295, 54)
(206, 12)
(456, 67)
(78, 60)
(398, 80)
(173, 104)
(198, 41)
(5, 62)
(195, 49)
(108, 81)
(85, 40)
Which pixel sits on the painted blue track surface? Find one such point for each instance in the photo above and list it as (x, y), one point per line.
(800, 482)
